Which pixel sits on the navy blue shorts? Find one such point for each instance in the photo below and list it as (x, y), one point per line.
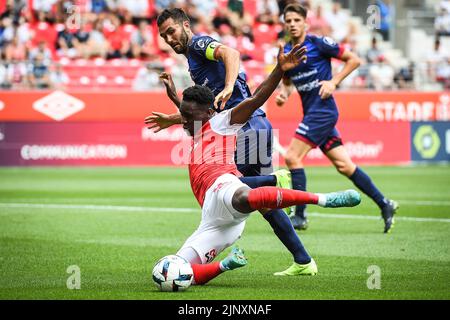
(319, 131)
(253, 155)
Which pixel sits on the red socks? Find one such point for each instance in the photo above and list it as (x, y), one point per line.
(205, 272)
(277, 198)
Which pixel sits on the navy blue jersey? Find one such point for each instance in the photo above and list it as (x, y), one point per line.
(206, 71)
(317, 68)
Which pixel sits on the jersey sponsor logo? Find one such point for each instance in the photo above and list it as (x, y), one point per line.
(303, 75)
(329, 41)
(308, 86)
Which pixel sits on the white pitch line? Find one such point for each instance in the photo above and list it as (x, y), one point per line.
(94, 207)
(188, 210)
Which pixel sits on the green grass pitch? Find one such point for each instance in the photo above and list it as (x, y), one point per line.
(115, 223)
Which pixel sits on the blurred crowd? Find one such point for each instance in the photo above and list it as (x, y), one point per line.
(39, 39)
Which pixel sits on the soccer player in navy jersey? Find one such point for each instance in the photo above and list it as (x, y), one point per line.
(316, 84)
(215, 66)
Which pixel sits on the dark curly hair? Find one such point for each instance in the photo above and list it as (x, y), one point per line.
(201, 95)
(178, 15)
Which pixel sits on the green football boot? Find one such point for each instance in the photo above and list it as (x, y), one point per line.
(234, 260)
(309, 269)
(284, 181)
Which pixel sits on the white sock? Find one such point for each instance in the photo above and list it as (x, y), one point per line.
(322, 199)
(221, 266)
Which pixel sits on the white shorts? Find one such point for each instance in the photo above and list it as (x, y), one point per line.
(221, 224)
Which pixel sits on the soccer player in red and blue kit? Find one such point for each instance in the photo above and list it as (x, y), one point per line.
(315, 84)
(225, 200)
(215, 66)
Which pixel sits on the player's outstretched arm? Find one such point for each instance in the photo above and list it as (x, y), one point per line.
(231, 59)
(243, 111)
(171, 90)
(159, 121)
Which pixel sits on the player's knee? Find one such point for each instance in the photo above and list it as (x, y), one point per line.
(345, 168)
(292, 161)
(240, 200)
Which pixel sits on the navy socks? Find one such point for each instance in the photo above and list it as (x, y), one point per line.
(365, 184)
(282, 227)
(260, 181)
(299, 183)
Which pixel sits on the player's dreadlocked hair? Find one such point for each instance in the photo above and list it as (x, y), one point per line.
(178, 15)
(201, 95)
(295, 7)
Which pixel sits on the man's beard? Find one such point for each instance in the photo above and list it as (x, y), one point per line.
(183, 43)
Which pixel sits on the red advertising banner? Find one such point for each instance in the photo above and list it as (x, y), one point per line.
(135, 106)
(130, 143)
(366, 142)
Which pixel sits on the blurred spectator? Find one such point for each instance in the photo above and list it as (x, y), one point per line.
(43, 5)
(66, 44)
(317, 23)
(220, 18)
(17, 73)
(160, 5)
(381, 75)
(374, 52)
(4, 80)
(442, 20)
(14, 9)
(15, 50)
(438, 64)
(404, 78)
(147, 78)
(118, 39)
(43, 31)
(58, 78)
(142, 42)
(137, 8)
(268, 8)
(38, 73)
(6, 31)
(386, 14)
(205, 8)
(41, 50)
(99, 6)
(96, 44)
(339, 22)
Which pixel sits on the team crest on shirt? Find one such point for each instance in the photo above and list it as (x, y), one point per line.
(200, 44)
(329, 41)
